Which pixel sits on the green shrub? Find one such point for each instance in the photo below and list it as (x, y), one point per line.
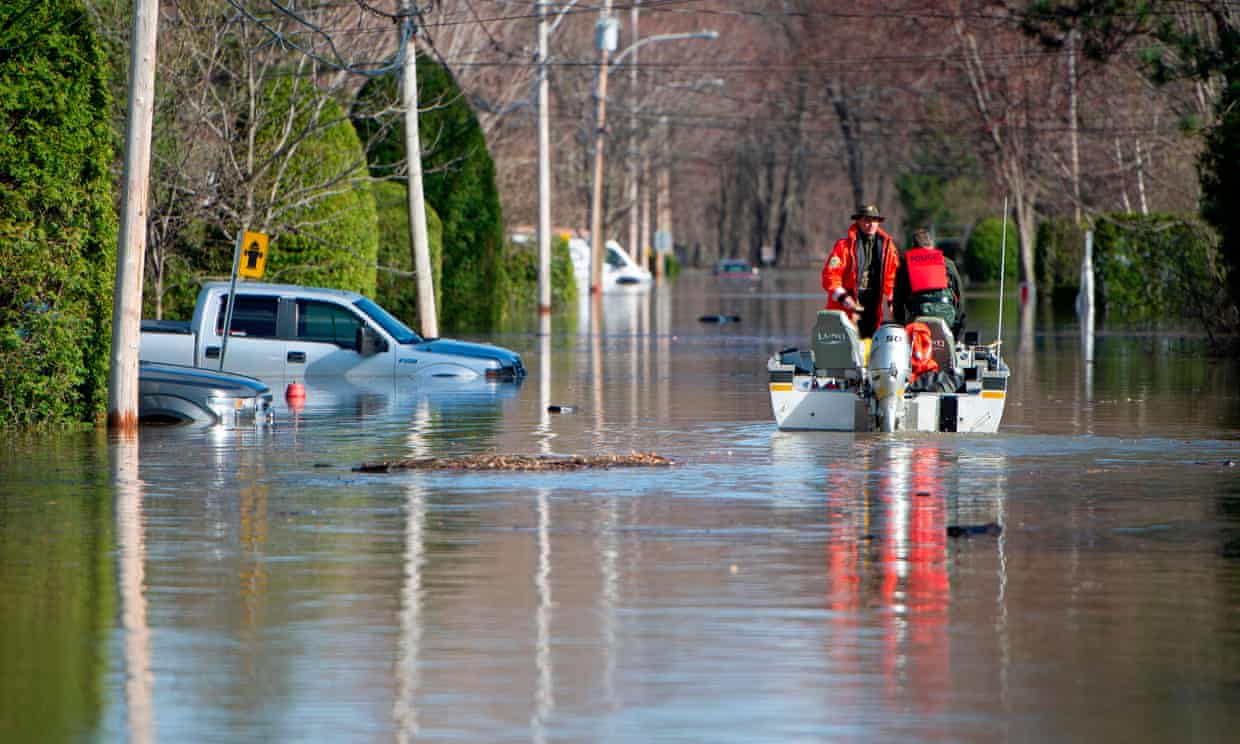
(1220, 174)
(983, 251)
(332, 241)
(521, 268)
(671, 266)
(1157, 267)
(1057, 259)
(397, 292)
(57, 216)
(458, 182)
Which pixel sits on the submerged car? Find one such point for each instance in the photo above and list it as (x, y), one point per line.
(620, 273)
(736, 269)
(175, 394)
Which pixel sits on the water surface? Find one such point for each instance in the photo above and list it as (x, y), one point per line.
(206, 585)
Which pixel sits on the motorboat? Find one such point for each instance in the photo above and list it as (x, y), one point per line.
(837, 386)
(620, 272)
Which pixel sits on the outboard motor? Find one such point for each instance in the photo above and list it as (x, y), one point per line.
(889, 371)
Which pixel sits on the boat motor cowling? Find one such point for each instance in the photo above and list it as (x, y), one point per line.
(889, 370)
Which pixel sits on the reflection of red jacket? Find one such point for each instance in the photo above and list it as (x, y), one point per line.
(839, 274)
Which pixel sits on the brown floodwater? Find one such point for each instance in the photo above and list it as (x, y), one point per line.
(204, 585)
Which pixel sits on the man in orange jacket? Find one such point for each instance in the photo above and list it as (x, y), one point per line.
(860, 273)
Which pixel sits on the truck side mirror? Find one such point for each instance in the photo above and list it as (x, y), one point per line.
(369, 342)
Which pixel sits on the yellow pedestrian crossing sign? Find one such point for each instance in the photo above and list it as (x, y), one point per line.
(253, 255)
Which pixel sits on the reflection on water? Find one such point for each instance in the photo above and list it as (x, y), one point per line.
(408, 687)
(773, 586)
(131, 557)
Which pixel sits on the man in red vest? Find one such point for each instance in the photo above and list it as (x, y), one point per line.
(860, 273)
(927, 283)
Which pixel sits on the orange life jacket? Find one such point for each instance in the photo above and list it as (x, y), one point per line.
(922, 346)
(927, 270)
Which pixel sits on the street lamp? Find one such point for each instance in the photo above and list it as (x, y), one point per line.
(604, 40)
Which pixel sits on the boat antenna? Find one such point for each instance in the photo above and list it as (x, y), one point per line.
(1002, 273)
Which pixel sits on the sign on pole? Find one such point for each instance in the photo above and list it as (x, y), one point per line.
(253, 255)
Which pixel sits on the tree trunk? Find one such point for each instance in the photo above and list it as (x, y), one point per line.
(851, 134)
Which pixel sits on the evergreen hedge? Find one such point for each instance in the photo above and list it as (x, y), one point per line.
(521, 262)
(57, 216)
(1158, 267)
(1220, 168)
(1057, 259)
(983, 251)
(398, 293)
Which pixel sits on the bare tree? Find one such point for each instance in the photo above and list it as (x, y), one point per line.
(1010, 89)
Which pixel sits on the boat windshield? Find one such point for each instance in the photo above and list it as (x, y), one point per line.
(401, 332)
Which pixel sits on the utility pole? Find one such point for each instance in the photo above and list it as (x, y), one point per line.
(413, 157)
(635, 247)
(544, 175)
(645, 210)
(663, 208)
(605, 40)
(1073, 127)
(131, 249)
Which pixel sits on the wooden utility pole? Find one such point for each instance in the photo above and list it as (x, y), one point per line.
(131, 245)
(1073, 128)
(427, 317)
(544, 173)
(645, 210)
(635, 248)
(664, 242)
(605, 40)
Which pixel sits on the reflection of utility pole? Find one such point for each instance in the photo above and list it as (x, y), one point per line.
(605, 39)
(131, 250)
(131, 588)
(427, 318)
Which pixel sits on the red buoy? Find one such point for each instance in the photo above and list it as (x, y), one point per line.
(295, 394)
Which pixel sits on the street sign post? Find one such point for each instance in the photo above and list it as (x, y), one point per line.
(249, 260)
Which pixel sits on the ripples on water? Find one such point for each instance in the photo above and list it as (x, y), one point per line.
(200, 585)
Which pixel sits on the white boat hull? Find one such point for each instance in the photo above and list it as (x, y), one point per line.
(837, 387)
(798, 407)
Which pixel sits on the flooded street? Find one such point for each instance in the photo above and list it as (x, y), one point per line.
(199, 585)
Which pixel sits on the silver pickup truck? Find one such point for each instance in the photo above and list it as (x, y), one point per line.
(282, 331)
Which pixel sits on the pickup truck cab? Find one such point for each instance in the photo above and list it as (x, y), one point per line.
(303, 333)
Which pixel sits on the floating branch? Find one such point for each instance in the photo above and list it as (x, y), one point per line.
(518, 462)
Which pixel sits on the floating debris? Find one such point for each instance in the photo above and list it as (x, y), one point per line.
(519, 462)
(719, 319)
(560, 409)
(969, 530)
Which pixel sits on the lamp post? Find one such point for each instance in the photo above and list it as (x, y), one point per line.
(605, 39)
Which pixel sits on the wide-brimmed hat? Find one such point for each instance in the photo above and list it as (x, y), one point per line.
(869, 210)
